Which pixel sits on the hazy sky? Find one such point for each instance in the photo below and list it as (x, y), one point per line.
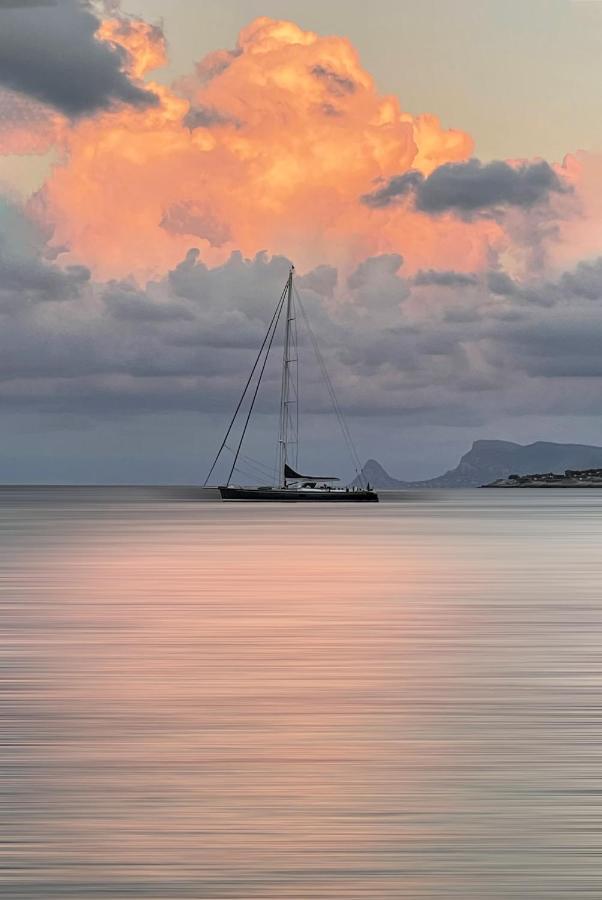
(433, 169)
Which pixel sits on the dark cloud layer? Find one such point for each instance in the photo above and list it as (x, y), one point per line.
(471, 187)
(49, 52)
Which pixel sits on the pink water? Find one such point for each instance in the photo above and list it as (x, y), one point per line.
(205, 700)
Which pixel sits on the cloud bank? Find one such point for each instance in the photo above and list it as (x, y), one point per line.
(437, 348)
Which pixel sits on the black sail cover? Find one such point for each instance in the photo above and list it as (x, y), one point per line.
(291, 475)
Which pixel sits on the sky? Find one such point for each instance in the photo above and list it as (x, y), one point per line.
(433, 170)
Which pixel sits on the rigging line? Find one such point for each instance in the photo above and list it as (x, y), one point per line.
(275, 316)
(247, 472)
(274, 322)
(263, 470)
(252, 470)
(251, 460)
(259, 470)
(338, 412)
(343, 424)
(245, 478)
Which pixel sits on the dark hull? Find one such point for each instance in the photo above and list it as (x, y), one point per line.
(291, 496)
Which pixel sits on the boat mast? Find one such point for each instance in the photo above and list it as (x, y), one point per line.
(288, 432)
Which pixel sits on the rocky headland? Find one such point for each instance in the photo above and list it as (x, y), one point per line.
(494, 462)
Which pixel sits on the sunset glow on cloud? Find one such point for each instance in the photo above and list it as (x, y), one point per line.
(268, 146)
(276, 145)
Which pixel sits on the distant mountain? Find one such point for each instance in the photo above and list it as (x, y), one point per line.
(486, 461)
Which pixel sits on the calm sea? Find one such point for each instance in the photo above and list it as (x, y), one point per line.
(203, 700)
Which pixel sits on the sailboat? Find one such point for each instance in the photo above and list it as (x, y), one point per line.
(291, 486)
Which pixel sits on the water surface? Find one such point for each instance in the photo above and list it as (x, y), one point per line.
(206, 700)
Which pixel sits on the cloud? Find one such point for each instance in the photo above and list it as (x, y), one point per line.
(207, 117)
(126, 302)
(240, 155)
(26, 4)
(559, 348)
(471, 187)
(25, 281)
(72, 345)
(396, 188)
(444, 278)
(386, 265)
(322, 280)
(376, 282)
(51, 53)
(336, 84)
(501, 284)
(26, 126)
(584, 281)
(196, 219)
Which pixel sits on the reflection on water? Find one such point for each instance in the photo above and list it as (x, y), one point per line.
(205, 700)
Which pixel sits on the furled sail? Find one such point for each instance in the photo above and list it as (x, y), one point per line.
(291, 475)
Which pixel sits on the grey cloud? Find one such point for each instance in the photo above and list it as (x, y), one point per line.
(445, 278)
(462, 314)
(322, 280)
(331, 111)
(212, 65)
(501, 284)
(375, 283)
(38, 282)
(558, 347)
(126, 302)
(584, 281)
(336, 84)
(199, 116)
(26, 4)
(190, 276)
(53, 252)
(395, 189)
(472, 187)
(386, 265)
(191, 218)
(253, 284)
(540, 293)
(50, 53)
(232, 331)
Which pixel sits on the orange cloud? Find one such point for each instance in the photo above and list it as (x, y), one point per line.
(268, 146)
(143, 43)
